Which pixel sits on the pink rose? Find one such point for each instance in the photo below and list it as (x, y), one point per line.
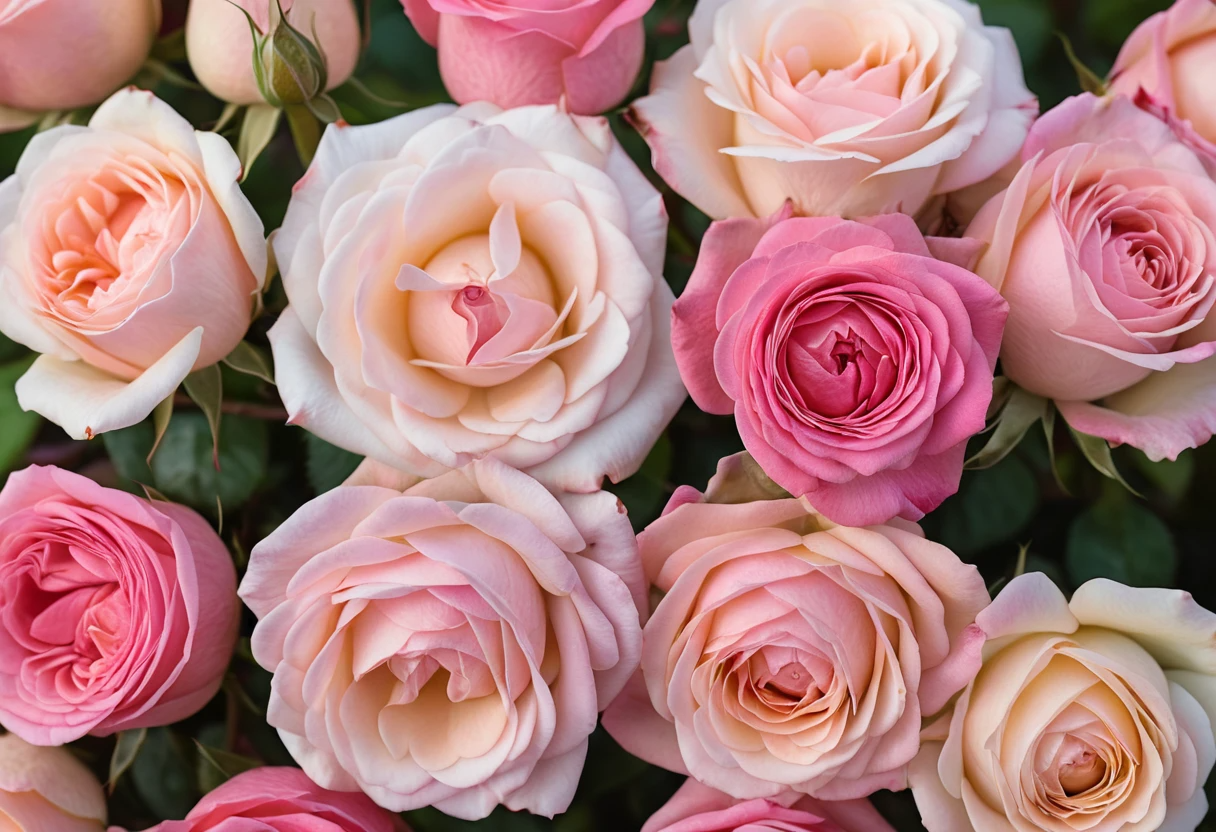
(47, 790)
(698, 808)
(472, 282)
(846, 108)
(282, 800)
(450, 644)
(791, 654)
(64, 54)
(856, 364)
(517, 52)
(1104, 246)
(115, 612)
(128, 257)
(1089, 715)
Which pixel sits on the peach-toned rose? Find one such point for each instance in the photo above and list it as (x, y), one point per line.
(63, 54)
(476, 282)
(1092, 714)
(1104, 246)
(128, 257)
(698, 808)
(220, 43)
(47, 790)
(450, 644)
(859, 108)
(789, 653)
(519, 52)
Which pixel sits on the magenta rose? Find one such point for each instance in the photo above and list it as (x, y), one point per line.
(698, 808)
(115, 612)
(857, 365)
(518, 52)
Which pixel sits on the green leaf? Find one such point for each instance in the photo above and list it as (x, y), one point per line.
(327, 465)
(206, 387)
(1021, 410)
(217, 766)
(305, 131)
(10, 350)
(163, 775)
(231, 111)
(17, 427)
(260, 124)
(130, 450)
(251, 361)
(126, 749)
(183, 468)
(992, 506)
(160, 422)
(1097, 451)
(1089, 80)
(1120, 539)
(1111, 21)
(1172, 478)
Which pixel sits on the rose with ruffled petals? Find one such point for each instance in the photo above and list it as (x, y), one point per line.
(470, 283)
(450, 644)
(846, 108)
(790, 654)
(1104, 246)
(44, 789)
(698, 808)
(1093, 714)
(128, 257)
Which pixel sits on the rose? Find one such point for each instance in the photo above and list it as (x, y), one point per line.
(698, 808)
(1093, 714)
(1104, 247)
(128, 257)
(858, 108)
(856, 364)
(282, 800)
(514, 52)
(448, 645)
(219, 42)
(789, 653)
(471, 282)
(47, 789)
(115, 612)
(63, 54)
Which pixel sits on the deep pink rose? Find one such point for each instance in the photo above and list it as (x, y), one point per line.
(698, 808)
(282, 800)
(856, 364)
(115, 612)
(517, 52)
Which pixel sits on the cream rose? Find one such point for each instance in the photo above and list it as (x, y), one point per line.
(853, 109)
(46, 789)
(475, 282)
(1090, 714)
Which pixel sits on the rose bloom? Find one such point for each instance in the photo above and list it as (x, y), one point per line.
(789, 654)
(475, 282)
(45, 789)
(450, 644)
(128, 258)
(219, 41)
(1103, 246)
(115, 612)
(698, 808)
(857, 108)
(63, 54)
(857, 365)
(282, 800)
(1093, 714)
(586, 53)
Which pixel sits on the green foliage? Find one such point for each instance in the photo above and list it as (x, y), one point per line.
(1120, 539)
(328, 465)
(992, 506)
(17, 428)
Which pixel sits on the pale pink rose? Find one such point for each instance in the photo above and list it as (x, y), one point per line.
(698, 808)
(856, 364)
(1104, 246)
(450, 644)
(282, 800)
(1093, 714)
(63, 54)
(586, 53)
(115, 612)
(220, 43)
(857, 108)
(475, 282)
(128, 257)
(789, 654)
(47, 790)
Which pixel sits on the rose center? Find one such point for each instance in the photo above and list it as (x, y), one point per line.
(1079, 767)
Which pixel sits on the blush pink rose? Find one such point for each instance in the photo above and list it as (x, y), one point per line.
(115, 612)
(282, 800)
(47, 790)
(128, 257)
(449, 644)
(857, 365)
(790, 654)
(698, 808)
(63, 54)
(1104, 246)
(518, 52)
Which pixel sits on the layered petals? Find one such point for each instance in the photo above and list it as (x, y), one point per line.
(47, 788)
